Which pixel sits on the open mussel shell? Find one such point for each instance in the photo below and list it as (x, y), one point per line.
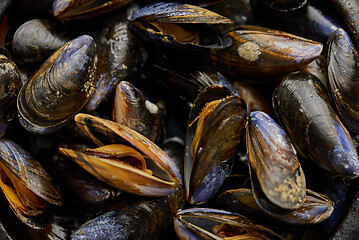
(315, 208)
(284, 5)
(177, 13)
(215, 126)
(60, 88)
(258, 51)
(303, 107)
(179, 26)
(206, 223)
(343, 77)
(75, 9)
(35, 40)
(274, 161)
(10, 84)
(102, 163)
(133, 110)
(26, 185)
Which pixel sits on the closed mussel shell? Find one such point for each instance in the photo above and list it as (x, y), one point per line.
(260, 51)
(343, 77)
(273, 159)
(117, 57)
(179, 26)
(60, 88)
(29, 182)
(133, 110)
(316, 207)
(349, 9)
(10, 84)
(207, 223)
(303, 107)
(75, 9)
(35, 40)
(215, 126)
(146, 219)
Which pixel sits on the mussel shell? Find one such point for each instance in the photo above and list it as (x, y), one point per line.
(100, 130)
(261, 51)
(133, 110)
(274, 161)
(343, 77)
(35, 40)
(10, 84)
(219, 139)
(208, 39)
(285, 5)
(348, 9)
(32, 175)
(200, 223)
(29, 171)
(74, 9)
(303, 107)
(316, 207)
(185, 16)
(177, 13)
(60, 88)
(146, 219)
(117, 57)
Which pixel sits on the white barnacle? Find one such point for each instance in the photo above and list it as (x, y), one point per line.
(249, 51)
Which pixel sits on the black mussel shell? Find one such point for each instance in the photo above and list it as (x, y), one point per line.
(274, 161)
(60, 88)
(349, 9)
(215, 127)
(303, 107)
(258, 51)
(75, 9)
(343, 78)
(10, 84)
(179, 26)
(35, 40)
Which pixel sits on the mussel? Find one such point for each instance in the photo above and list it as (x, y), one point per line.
(10, 84)
(206, 223)
(75, 9)
(118, 56)
(274, 163)
(303, 107)
(60, 88)
(169, 25)
(133, 110)
(343, 77)
(26, 185)
(145, 219)
(124, 166)
(258, 51)
(349, 11)
(315, 208)
(215, 126)
(35, 40)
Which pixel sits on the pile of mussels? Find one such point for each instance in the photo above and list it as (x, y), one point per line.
(225, 119)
